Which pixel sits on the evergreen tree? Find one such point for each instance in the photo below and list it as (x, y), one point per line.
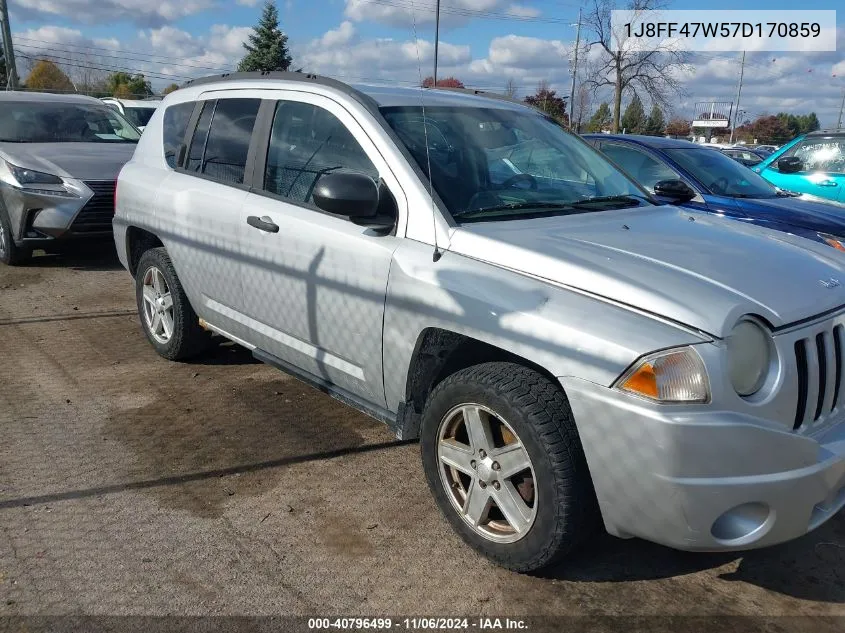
(655, 125)
(601, 120)
(267, 49)
(634, 118)
(4, 79)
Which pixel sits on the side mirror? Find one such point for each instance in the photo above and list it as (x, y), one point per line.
(790, 165)
(675, 190)
(353, 195)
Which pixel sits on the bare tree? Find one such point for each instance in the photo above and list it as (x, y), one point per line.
(510, 88)
(621, 66)
(583, 103)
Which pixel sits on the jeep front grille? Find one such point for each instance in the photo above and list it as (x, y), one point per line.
(818, 361)
(96, 216)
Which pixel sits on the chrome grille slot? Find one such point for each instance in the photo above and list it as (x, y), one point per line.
(818, 362)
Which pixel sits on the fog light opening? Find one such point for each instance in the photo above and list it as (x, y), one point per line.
(743, 524)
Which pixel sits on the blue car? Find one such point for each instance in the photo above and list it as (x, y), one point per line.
(705, 179)
(813, 163)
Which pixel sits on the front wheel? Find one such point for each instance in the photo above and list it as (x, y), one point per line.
(504, 460)
(168, 319)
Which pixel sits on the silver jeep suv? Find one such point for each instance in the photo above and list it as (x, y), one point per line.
(568, 351)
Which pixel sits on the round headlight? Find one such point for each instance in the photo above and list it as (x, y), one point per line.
(749, 357)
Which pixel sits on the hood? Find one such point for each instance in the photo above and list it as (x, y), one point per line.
(83, 161)
(693, 268)
(805, 211)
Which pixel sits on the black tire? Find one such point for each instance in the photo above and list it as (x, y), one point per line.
(538, 412)
(188, 339)
(10, 253)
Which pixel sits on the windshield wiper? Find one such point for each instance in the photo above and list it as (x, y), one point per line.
(627, 200)
(514, 206)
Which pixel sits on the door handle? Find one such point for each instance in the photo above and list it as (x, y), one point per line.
(263, 224)
(828, 183)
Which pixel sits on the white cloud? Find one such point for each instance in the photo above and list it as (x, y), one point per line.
(248, 3)
(522, 11)
(106, 11)
(422, 12)
(339, 36)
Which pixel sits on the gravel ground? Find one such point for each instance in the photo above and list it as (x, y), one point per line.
(133, 486)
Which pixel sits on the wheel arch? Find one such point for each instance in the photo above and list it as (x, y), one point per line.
(139, 241)
(438, 354)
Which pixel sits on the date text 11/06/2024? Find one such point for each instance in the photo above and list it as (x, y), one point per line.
(421, 623)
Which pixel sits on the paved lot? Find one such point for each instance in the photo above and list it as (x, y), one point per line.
(130, 485)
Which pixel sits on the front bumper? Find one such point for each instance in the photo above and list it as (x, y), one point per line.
(693, 478)
(39, 217)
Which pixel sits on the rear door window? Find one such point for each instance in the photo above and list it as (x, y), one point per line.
(200, 137)
(226, 150)
(175, 124)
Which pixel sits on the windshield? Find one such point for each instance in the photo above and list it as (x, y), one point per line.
(139, 117)
(820, 154)
(720, 174)
(39, 122)
(497, 164)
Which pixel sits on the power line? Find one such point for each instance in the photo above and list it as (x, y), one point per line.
(153, 59)
(67, 61)
(473, 13)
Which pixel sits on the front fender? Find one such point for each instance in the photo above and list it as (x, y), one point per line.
(565, 332)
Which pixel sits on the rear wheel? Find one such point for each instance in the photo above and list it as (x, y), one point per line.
(503, 458)
(168, 319)
(10, 253)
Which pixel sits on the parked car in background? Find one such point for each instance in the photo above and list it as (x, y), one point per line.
(569, 353)
(59, 158)
(768, 150)
(813, 163)
(687, 174)
(744, 156)
(137, 111)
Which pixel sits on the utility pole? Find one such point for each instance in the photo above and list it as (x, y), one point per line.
(8, 50)
(841, 110)
(574, 72)
(738, 94)
(436, 38)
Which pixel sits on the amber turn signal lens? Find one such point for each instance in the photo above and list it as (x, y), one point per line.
(834, 243)
(643, 381)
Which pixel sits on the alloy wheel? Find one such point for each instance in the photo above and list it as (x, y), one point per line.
(487, 473)
(158, 305)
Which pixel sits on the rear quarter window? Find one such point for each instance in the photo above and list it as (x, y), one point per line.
(176, 118)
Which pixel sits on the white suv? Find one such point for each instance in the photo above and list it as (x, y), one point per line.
(462, 268)
(138, 111)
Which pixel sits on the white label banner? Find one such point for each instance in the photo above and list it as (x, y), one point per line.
(743, 30)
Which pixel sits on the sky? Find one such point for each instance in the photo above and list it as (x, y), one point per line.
(484, 43)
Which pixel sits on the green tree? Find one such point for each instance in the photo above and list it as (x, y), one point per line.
(549, 102)
(170, 88)
(634, 118)
(4, 79)
(267, 49)
(601, 120)
(45, 75)
(126, 86)
(655, 125)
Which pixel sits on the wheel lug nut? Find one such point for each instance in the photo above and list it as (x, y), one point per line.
(473, 464)
(482, 484)
(482, 454)
(496, 466)
(496, 485)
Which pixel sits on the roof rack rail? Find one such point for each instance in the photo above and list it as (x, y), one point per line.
(480, 93)
(287, 75)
